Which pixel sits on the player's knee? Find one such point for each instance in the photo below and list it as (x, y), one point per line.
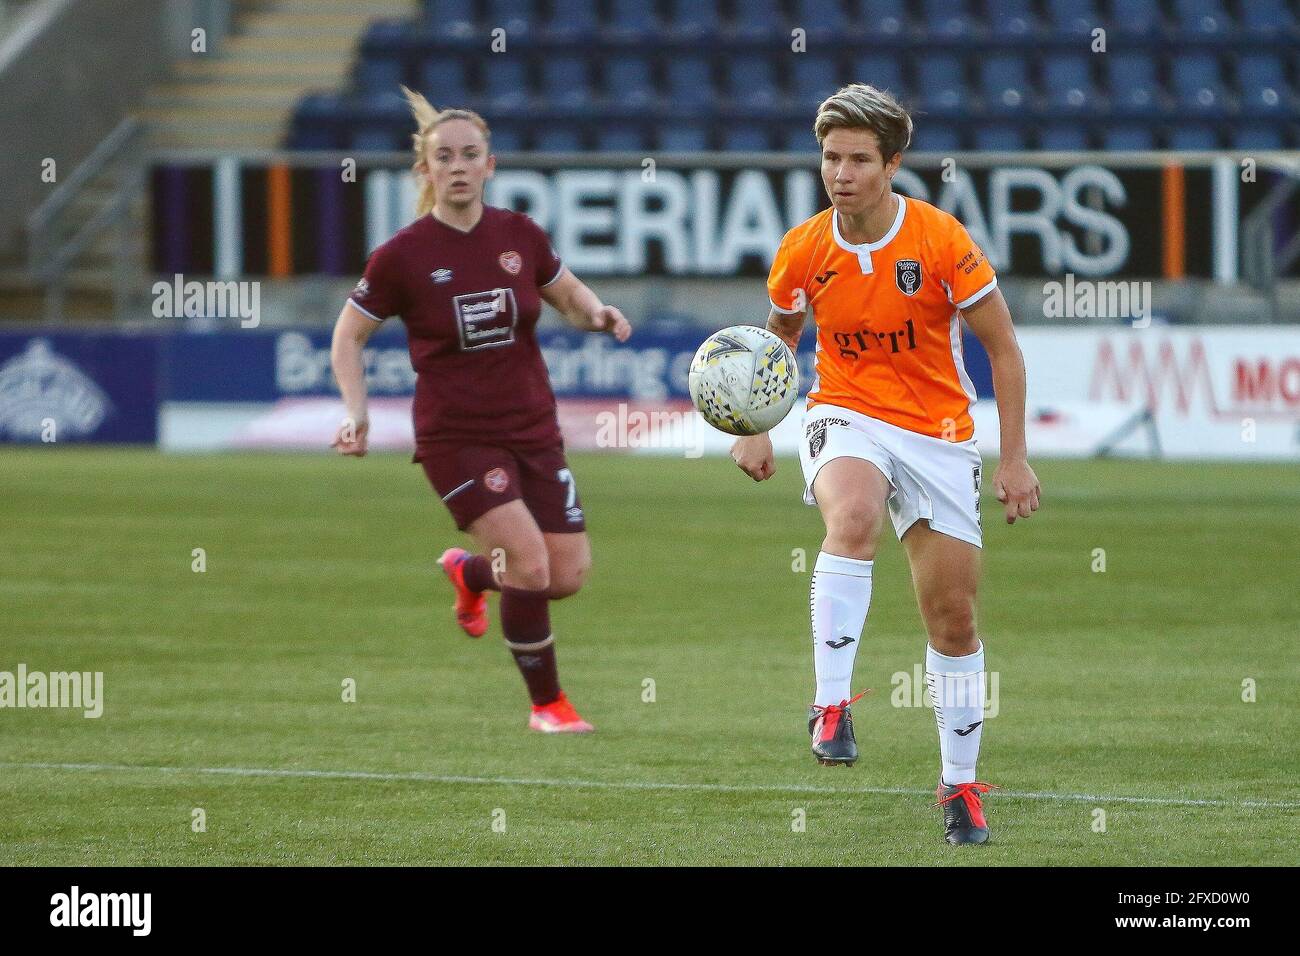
(853, 531)
(569, 582)
(529, 573)
(951, 622)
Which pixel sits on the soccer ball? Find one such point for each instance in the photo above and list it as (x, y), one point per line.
(744, 380)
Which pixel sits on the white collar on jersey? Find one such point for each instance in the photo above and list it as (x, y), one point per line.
(864, 250)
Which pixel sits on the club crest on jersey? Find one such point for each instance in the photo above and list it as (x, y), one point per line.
(512, 262)
(497, 480)
(440, 275)
(362, 288)
(907, 273)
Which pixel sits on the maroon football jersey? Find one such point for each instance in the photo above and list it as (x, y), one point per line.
(470, 302)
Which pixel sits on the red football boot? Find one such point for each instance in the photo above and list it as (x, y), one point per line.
(558, 717)
(470, 606)
(963, 813)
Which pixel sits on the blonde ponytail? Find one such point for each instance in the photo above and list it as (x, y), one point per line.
(427, 119)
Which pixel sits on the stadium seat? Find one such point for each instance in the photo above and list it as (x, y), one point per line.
(1004, 84)
(452, 19)
(379, 75)
(506, 84)
(947, 20)
(1198, 85)
(1135, 89)
(632, 20)
(751, 82)
(814, 79)
(941, 86)
(1067, 85)
(821, 19)
(628, 83)
(883, 21)
(507, 137)
(999, 137)
(1136, 19)
(758, 20)
(690, 84)
(566, 81)
(374, 138)
(1063, 137)
(572, 20)
(936, 137)
(1202, 21)
(884, 71)
(1267, 19)
(798, 137)
(745, 139)
(516, 17)
(1073, 18)
(558, 138)
(1198, 136)
(1010, 19)
(693, 18)
(1262, 83)
(677, 136)
(317, 122)
(622, 137)
(1128, 137)
(1258, 136)
(443, 81)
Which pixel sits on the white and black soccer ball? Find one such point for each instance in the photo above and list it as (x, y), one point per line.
(744, 380)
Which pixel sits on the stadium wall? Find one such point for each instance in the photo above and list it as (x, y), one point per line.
(1211, 393)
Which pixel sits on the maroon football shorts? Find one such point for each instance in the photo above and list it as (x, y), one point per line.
(474, 479)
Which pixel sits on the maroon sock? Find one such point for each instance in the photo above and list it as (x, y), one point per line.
(478, 574)
(526, 621)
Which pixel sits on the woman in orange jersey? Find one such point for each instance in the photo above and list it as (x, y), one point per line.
(888, 429)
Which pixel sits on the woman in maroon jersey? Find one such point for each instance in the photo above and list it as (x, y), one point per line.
(468, 281)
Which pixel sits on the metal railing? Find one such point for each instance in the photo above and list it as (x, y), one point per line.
(1261, 262)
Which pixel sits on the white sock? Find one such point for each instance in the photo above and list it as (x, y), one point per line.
(840, 595)
(957, 691)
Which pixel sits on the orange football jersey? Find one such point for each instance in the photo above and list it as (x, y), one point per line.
(888, 328)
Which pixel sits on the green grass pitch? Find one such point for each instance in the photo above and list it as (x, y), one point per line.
(1113, 685)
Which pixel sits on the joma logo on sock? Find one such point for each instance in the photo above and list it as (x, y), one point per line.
(911, 690)
(844, 641)
(103, 909)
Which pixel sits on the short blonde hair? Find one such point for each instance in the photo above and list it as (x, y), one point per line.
(427, 119)
(859, 106)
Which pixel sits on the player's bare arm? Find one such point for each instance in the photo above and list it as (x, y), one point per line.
(753, 453)
(583, 309)
(351, 332)
(1015, 483)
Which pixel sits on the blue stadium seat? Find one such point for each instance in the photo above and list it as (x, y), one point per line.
(1261, 80)
(690, 83)
(1134, 87)
(683, 137)
(572, 20)
(745, 139)
(1199, 136)
(814, 78)
(798, 137)
(1067, 85)
(450, 18)
(566, 81)
(821, 19)
(758, 19)
(1198, 85)
(941, 86)
(693, 18)
(1128, 136)
(506, 84)
(516, 17)
(999, 137)
(1258, 136)
(883, 21)
(442, 80)
(625, 137)
(317, 123)
(558, 138)
(934, 137)
(751, 81)
(627, 82)
(1011, 19)
(379, 75)
(947, 19)
(1138, 19)
(377, 138)
(507, 137)
(1202, 20)
(1073, 18)
(1004, 84)
(1267, 19)
(1063, 136)
(633, 20)
(884, 71)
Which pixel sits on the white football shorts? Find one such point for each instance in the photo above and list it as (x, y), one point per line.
(932, 480)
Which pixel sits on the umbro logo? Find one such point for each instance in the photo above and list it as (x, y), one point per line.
(440, 275)
(842, 642)
(825, 277)
(970, 729)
